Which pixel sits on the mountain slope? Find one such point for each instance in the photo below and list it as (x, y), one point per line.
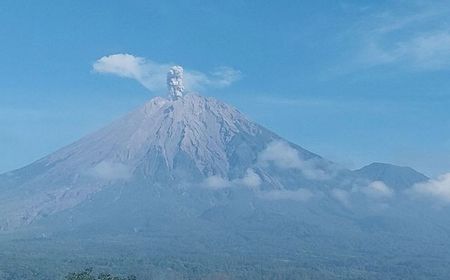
(398, 177)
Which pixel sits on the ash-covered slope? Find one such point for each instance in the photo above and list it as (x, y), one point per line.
(165, 140)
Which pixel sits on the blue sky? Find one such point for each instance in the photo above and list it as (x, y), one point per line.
(354, 81)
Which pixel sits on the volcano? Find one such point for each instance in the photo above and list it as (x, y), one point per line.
(190, 177)
(183, 141)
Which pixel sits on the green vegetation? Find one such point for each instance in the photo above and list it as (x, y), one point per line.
(87, 274)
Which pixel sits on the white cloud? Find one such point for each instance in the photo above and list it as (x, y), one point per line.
(378, 189)
(250, 180)
(152, 75)
(216, 182)
(282, 155)
(341, 196)
(426, 51)
(111, 171)
(415, 37)
(438, 188)
(221, 77)
(297, 195)
(225, 76)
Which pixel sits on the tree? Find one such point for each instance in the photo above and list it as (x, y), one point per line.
(87, 274)
(84, 275)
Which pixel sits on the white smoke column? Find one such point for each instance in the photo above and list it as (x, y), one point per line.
(175, 82)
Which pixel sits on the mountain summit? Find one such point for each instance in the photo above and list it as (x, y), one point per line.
(175, 82)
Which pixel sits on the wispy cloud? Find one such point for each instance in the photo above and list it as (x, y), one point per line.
(417, 37)
(438, 189)
(342, 196)
(216, 182)
(221, 77)
(282, 155)
(250, 180)
(297, 195)
(152, 75)
(378, 190)
(425, 51)
(110, 171)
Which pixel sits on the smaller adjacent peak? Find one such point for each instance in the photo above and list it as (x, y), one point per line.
(399, 177)
(175, 82)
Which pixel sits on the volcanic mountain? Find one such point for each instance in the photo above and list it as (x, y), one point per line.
(190, 178)
(180, 142)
